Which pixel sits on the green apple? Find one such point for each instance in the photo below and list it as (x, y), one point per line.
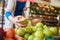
(45, 27)
(39, 25)
(54, 30)
(20, 32)
(26, 36)
(28, 30)
(39, 34)
(25, 21)
(37, 38)
(47, 32)
(29, 23)
(39, 29)
(16, 29)
(31, 37)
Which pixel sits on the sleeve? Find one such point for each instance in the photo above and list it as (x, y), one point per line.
(7, 14)
(9, 8)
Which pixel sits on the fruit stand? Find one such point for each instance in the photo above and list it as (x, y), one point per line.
(43, 25)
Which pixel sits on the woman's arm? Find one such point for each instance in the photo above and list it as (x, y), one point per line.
(9, 8)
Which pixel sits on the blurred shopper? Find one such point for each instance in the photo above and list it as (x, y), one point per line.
(13, 12)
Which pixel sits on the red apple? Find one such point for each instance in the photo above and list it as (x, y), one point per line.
(10, 33)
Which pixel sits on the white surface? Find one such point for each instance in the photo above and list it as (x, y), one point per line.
(28, 10)
(55, 3)
(43, 2)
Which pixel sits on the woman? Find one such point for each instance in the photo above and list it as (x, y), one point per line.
(13, 10)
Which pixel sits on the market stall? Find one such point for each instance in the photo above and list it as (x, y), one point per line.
(42, 23)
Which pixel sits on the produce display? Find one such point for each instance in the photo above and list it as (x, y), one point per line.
(31, 32)
(37, 32)
(42, 26)
(47, 13)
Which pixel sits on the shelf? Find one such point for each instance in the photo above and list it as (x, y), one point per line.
(46, 15)
(48, 20)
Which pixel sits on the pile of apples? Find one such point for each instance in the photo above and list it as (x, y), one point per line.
(37, 32)
(9, 34)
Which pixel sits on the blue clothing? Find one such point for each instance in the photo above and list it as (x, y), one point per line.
(18, 10)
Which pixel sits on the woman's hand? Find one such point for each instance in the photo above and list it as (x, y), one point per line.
(16, 20)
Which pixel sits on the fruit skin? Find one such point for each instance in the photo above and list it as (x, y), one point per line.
(45, 27)
(16, 29)
(26, 36)
(37, 38)
(8, 39)
(20, 32)
(10, 33)
(31, 37)
(54, 30)
(39, 29)
(4, 33)
(28, 30)
(25, 22)
(39, 25)
(39, 34)
(47, 32)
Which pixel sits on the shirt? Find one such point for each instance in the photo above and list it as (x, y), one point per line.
(18, 9)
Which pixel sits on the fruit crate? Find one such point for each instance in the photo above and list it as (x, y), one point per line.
(53, 38)
(56, 38)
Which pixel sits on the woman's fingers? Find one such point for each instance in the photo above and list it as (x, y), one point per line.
(18, 19)
(20, 25)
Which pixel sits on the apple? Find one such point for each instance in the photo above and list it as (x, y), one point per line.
(39, 34)
(45, 27)
(28, 30)
(16, 29)
(8, 39)
(38, 25)
(54, 30)
(31, 37)
(39, 29)
(25, 21)
(29, 23)
(10, 33)
(20, 32)
(37, 38)
(26, 36)
(47, 32)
